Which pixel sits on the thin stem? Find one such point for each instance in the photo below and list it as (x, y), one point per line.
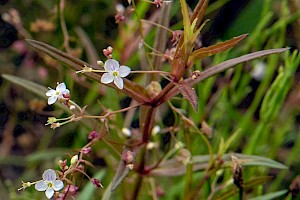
(147, 45)
(139, 19)
(158, 25)
(189, 169)
(150, 72)
(241, 193)
(132, 72)
(110, 113)
(165, 90)
(137, 187)
(63, 26)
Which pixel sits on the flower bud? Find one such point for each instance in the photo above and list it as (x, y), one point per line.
(100, 63)
(55, 125)
(74, 160)
(71, 189)
(51, 120)
(155, 130)
(96, 182)
(72, 107)
(153, 89)
(127, 156)
(236, 169)
(126, 132)
(93, 135)
(86, 150)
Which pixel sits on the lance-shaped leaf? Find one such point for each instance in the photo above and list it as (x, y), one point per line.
(125, 165)
(41, 90)
(174, 167)
(132, 89)
(221, 67)
(186, 20)
(189, 93)
(199, 12)
(252, 183)
(272, 195)
(214, 49)
(277, 92)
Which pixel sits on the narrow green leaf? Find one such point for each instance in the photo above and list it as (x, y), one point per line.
(32, 87)
(251, 160)
(107, 193)
(277, 93)
(230, 140)
(45, 155)
(173, 167)
(28, 85)
(186, 20)
(273, 195)
(232, 189)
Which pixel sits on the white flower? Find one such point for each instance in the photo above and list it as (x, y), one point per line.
(49, 184)
(57, 94)
(114, 72)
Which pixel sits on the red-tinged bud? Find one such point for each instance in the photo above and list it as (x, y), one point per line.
(96, 183)
(86, 150)
(93, 135)
(127, 156)
(71, 189)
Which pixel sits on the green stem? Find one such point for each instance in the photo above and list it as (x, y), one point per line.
(241, 192)
(189, 169)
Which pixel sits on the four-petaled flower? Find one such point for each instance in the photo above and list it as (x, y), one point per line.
(61, 93)
(49, 184)
(114, 72)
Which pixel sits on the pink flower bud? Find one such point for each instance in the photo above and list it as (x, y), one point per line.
(96, 182)
(71, 189)
(127, 156)
(86, 150)
(93, 135)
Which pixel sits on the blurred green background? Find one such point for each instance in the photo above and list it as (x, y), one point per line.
(261, 98)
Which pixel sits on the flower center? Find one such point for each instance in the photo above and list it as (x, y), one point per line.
(115, 73)
(50, 184)
(57, 93)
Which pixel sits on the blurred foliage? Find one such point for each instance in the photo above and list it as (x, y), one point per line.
(265, 111)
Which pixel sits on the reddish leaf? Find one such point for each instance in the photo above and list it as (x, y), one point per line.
(132, 89)
(214, 49)
(199, 12)
(124, 167)
(221, 67)
(189, 93)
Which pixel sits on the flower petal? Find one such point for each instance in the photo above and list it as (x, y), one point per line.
(51, 100)
(61, 87)
(50, 93)
(41, 186)
(49, 175)
(124, 71)
(57, 185)
(119, 82)
(49, 193)
(107, 78)
(111, 65)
